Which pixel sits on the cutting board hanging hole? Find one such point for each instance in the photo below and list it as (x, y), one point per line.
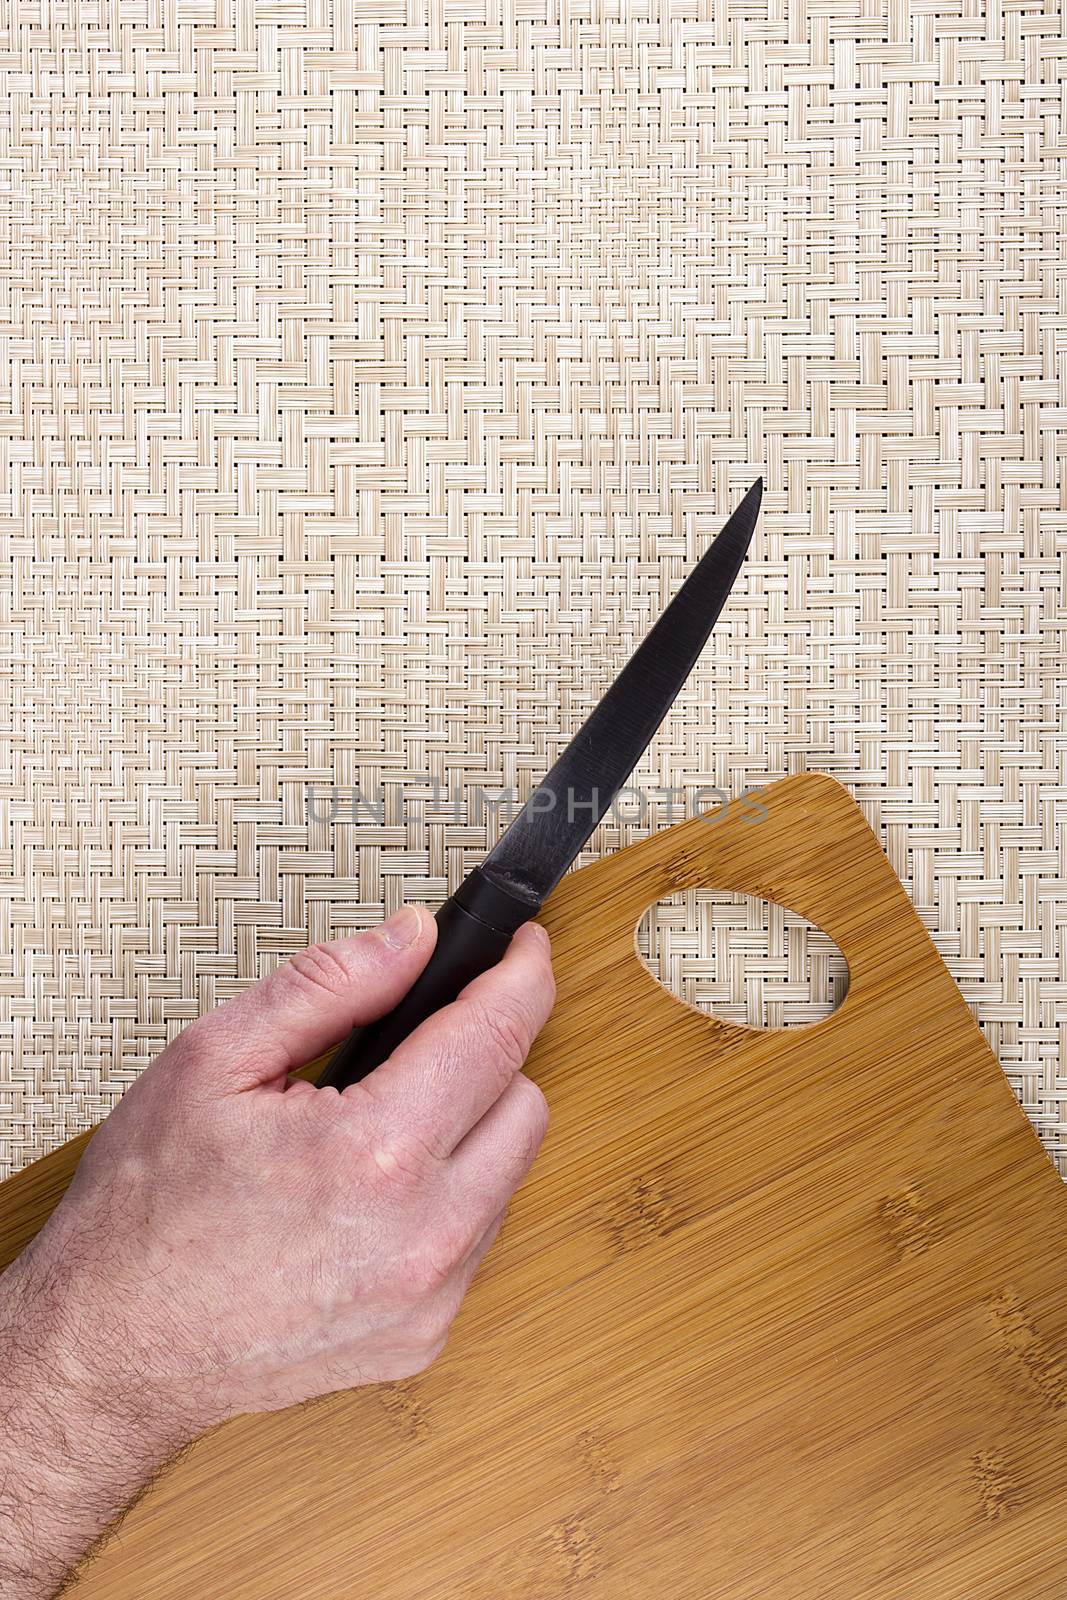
(742, 958)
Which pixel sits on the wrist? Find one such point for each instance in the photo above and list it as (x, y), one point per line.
(78, 1407)
(92, 1340)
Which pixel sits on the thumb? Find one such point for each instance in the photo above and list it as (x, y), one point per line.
(311, 1002)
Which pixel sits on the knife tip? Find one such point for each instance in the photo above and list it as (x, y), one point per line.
(742, 523)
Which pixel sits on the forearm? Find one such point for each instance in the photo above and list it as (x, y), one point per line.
(80, 1436)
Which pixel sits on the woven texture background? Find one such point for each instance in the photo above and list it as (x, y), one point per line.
(369, 376)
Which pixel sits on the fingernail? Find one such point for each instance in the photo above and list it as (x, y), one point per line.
(538, 933)
(402, 928)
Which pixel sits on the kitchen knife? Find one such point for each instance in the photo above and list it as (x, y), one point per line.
(475, 926)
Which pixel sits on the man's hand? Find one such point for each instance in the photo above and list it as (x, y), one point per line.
(236, 1241)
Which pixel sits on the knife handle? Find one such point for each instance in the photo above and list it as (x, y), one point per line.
(474, 928)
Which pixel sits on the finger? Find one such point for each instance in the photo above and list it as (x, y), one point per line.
(310, 1003)
(454, 1066)
(491, 1161)
(485, 1169)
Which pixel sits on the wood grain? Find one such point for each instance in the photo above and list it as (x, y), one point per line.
(694, 1368)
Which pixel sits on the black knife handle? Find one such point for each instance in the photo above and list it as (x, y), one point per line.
(474, 928)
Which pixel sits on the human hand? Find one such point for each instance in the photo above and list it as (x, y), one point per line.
(235, 1240)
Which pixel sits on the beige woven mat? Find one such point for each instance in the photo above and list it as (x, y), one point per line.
(370, 375)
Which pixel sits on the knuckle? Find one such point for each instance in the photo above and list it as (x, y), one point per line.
(198, 1042)
(428, 1268)
(506, 1025)
(436, 1324)
(535, 1110)
(319, 967)
(402, 1157)
(186, 1071)
(430, 1263)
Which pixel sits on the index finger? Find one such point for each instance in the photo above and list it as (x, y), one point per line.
(456, 1065)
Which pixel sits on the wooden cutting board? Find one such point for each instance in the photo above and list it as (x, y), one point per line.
(780, 1315)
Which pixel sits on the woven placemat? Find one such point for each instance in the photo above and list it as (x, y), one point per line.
(369, 377)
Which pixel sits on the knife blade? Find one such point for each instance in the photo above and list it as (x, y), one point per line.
(476, 925)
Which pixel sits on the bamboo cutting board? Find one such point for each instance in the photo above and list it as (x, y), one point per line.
(706, 1361)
